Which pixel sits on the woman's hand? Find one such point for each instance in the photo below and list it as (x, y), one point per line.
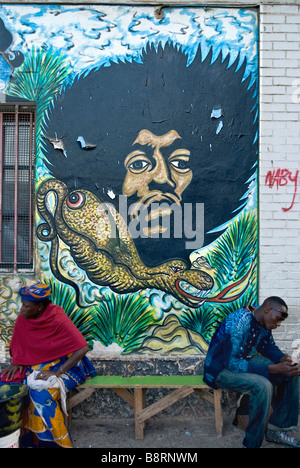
(45, 374)
(11, 370)
(72, 361)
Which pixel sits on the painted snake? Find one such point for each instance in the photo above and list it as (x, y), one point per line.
(100, 244)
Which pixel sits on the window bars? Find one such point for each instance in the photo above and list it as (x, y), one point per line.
(17, 145)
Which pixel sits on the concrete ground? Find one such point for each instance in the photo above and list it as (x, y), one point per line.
(160, 433)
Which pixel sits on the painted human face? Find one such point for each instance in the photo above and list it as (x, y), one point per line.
(157, 169)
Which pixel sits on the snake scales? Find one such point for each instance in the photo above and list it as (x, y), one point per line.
(100, 244)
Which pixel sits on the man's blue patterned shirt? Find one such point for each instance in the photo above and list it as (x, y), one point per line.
(236, 340)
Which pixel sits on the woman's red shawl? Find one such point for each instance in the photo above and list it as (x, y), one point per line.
(51, 336)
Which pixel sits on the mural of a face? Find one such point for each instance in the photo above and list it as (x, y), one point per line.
(155, 175)
(159, 130)
(160, 114)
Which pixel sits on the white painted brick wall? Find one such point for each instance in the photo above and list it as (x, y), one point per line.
(280, 149)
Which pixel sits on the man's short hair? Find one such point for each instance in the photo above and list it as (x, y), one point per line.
(274, 301)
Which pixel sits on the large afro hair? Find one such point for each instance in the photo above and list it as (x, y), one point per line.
(210, 103)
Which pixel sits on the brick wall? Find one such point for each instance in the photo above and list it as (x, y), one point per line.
(280, 161)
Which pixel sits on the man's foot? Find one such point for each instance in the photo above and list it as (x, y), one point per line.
(281, 437)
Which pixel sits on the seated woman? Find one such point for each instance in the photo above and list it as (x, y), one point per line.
(48, 350)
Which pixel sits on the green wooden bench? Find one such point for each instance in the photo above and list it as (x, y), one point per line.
(181, 386)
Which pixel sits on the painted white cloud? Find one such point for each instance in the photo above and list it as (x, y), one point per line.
(90, 34)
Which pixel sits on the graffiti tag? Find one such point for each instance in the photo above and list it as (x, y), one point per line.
(280, 178)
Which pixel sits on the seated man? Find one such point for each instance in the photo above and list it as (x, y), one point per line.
(243, 357)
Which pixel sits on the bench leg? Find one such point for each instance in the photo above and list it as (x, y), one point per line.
(139, 404)
(218, 411)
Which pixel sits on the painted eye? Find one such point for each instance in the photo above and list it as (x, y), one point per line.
(180, 164)
(75, 200)
(179, 160)
(137, 166)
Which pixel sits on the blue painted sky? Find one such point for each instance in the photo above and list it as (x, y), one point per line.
(91, 36)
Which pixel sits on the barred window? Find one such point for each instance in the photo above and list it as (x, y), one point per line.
(17, 144)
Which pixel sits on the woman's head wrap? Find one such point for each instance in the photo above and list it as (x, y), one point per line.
(35, 292)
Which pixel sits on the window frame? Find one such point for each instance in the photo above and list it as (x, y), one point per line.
(18, 110)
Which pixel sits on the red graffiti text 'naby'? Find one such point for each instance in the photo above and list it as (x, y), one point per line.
(282, 177)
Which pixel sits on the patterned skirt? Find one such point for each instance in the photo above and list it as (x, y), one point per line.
(44, 422)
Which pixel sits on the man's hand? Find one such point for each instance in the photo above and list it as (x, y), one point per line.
(286, 366)
(286, 358)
